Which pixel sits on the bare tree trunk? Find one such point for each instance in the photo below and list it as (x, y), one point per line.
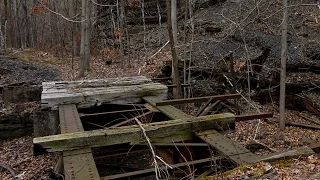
(175, 71)
(174, 21)
(27, 25)
(87, 36)
(73, 5)
(83, 33)
(5, 19)
(283, 64)
(2, 41)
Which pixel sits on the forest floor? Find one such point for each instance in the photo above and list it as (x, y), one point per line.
(34, 66)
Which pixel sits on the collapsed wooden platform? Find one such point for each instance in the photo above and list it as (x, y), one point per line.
(76, 143)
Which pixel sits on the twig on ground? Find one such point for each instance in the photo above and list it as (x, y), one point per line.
(8, 168)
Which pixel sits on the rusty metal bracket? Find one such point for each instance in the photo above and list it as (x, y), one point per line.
(197, 99)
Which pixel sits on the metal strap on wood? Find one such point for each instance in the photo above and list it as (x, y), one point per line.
(226, 146)
(78, 164)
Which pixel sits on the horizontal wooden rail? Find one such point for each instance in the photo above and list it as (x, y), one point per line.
(165, 131)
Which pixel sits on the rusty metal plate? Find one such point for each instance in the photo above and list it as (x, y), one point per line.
(168, 110)
(78, 164)
(228, 147)
(69, 119)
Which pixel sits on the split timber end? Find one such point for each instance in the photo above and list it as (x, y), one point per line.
(173, 130)
(90, 93)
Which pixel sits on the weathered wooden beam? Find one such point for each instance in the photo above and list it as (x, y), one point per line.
(169, 130)
(95, 92)
(301, 151)
(197, 99)
(109, 82)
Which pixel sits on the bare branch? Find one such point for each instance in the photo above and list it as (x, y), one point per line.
(59, 14)
(103, 5)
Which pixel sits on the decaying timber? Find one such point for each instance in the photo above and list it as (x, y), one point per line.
(302, 151)
(94, 92)
(172, 130)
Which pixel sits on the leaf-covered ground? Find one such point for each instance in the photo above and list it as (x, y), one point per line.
(18, 155)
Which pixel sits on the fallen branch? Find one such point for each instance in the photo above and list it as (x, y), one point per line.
(8, 168)
(309, 119)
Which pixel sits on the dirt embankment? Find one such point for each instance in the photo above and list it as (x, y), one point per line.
(13, 70)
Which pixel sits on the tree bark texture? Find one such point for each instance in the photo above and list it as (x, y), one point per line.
(175, 71)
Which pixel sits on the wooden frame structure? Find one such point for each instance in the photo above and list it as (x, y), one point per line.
(75, 143)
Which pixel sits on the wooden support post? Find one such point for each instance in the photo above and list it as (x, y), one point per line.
(172, 130)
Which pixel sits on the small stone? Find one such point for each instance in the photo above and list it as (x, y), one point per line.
(268, 168)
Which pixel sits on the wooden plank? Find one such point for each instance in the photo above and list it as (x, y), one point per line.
(170, 130)
(197, 99)
(151, 170)
(297, 152)
(78, 164)
(98, 82)
(226, 146)
(92, 93)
